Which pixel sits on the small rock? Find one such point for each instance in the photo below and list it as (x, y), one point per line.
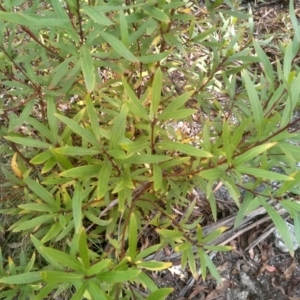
(280, 244)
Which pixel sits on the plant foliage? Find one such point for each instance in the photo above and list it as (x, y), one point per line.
(112, 112)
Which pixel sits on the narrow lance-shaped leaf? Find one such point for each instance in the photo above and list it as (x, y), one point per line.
(124, 29)
(22, 278)
(118, 46)
(27, 142)
(132, 236)
(156, 92)
(95, 291)
(84, 133)
(227, 142)
(83, 248)
(157, 177)
(87, 67)
(76, 207)
(263, 173)
(254, 152)
(139, 109)
(52, 120)
(96, 15)
(103, 178)
(65, 259)
(41, 192)
(154, 265)
(160, 294)
(59, 277)
(184, 148)
(118, 129)
(156, 13)
(279, 224)
(254, 102)
(94, 118)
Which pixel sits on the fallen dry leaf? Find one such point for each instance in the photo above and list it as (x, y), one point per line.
(199, 290)
(288, 273)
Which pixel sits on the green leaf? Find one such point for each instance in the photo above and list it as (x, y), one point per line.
(146, 281)
(151, 58)
(25, 114)
(227, 142)
(60, 72)
(192, 262)
(279, 224)
(212, 268)
(287, 61)
(235, 14)
(87, 67)
(22, 278)
(94, 118)
(95, 291)
(132, 237)
(52, 120)
(119, 47)
(148, 251)
(218, 248)
(84, 171)
(156, 13)
(146, 159)
(103, 178)
(297, 227)
(156, 92)
(242, 209)
(78, 295)
(77, 207)
(157, 177)
(133, 147)
(178, 114)
(118, 276)
(36, 207)
(83, 248)
(45, 132)
(118, 129)
(60, 277)
(27, 142)
(173, 234)
(61, 159)
(41, 157)
(96, 15)
(30, 224)
(265, 63)
(154, 265)
(212, 174)
(72, 151)
(259, 173)
(96, 220)
(183, 148)
(41, 192)
(213, 235)
(82, 132)
(160, 294)
(202, 257)
(98, 267)
(64, 259)
(22, 19)
(254, 102)
(124, 29)
(254, 152)
(138, 108)
(175, 104)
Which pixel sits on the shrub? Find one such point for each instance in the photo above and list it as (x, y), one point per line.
(112, 113)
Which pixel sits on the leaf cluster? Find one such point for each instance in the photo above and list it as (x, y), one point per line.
(116, 112)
